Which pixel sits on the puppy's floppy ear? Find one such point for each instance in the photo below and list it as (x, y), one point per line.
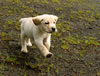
(56, 18)
(36, 21)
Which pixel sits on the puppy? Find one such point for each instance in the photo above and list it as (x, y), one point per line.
(39, 29)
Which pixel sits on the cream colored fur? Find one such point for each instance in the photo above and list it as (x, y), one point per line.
(39, 29)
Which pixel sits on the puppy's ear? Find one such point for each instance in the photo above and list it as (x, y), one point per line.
(56, 18)
(36, 21)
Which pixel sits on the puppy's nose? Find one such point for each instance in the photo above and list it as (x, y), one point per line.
(53, 29)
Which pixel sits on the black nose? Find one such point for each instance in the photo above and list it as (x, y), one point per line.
(53, 29)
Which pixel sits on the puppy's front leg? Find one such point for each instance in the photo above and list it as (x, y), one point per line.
(47, 42)
(43, 49)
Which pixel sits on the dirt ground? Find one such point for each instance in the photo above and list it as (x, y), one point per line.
(76, 45)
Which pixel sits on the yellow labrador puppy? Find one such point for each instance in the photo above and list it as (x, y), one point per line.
(39, 29)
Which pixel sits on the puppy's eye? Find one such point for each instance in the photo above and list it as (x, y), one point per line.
(46, 22)
(54, 22)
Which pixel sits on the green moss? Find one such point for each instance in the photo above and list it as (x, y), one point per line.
(4, 27)
(68, 28)
(14, 1)
(97, 15)
(17, 26)
(62, 16)
(98, 73)
(3, 34)
(82, 53)
(86, 15)
(22, 13)
(65, 46)
(41, 1)
(79, 46)
(81, 71)
(90, 19)
(10, 22)
(31, 65)
(59, 25)
(57, 71)
(59, 9)
(1, 74)
(56, 34)
(25, 74)
(50, 66)
(9, 11)
(11, 59)
(2, 67)
(91, 42)
(73, 40)
(45, 1)
(91, 62)
(36, 1)
(56, 1)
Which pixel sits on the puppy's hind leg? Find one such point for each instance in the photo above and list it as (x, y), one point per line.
(23, 43)
(29, 42)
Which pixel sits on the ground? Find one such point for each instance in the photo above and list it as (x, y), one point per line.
(76, 45)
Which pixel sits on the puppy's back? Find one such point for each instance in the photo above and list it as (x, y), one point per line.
(25, 19)
(27, 25)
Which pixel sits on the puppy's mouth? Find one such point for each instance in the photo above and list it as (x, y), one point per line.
(52, 31)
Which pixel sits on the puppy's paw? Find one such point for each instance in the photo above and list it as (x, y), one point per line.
(29, 44)
(49, 55)
(24, 50)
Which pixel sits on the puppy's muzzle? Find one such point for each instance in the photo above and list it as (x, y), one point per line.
(54, 29)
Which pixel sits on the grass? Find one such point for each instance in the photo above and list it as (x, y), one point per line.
(83, 15)
(97, 15)
(2, 66)
(73, 40)
(56, 1)
(98, 73)
(11, 59)
(3, 34)
(66, 44)
(10, 22)
(25, 74)
(91, 42)
(82, 53)
(14, 1)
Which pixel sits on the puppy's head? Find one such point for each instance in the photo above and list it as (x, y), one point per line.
(46, 23)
